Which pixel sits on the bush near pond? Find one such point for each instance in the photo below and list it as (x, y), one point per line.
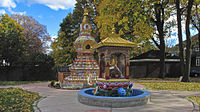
(17, 100)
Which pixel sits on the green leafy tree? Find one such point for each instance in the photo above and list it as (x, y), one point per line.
(63, 48)
(127, 17)
(13, 45)
(40, 67)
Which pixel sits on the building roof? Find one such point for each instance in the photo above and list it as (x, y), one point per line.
(115, 41)
(154, 60)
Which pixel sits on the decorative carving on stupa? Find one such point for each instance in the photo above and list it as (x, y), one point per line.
(84, 70)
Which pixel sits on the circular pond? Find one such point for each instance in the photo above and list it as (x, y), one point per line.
(137, 97)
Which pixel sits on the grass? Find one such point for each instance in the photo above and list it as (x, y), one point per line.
(192, 79)
(5, 83)
(171, 84)
(183, 86)
(196, 99)
(17, 100)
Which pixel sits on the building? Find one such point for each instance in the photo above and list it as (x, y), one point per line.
(195, 56)
(148, 65)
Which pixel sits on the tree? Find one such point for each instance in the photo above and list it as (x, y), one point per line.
(127, 17)
(63, 49)
(158, 16)
(35, 33)
(195, 17)
(181, 54)
(40, 67)
(188, 42)
(13, 45)
(131, 18)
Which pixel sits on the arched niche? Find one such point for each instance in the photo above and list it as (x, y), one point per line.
(117, 65)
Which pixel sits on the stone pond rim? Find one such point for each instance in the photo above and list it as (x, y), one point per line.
(139, 97)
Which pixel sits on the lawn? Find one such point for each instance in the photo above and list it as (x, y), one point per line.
(172, 84)
(169, 84)
(192, 79)
(196, 99)
(5, 83)
(17, 100)
(183, 86)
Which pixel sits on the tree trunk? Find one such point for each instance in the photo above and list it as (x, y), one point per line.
(198, 22)
(188, 43)
(159, 14)
(180, 37)
(199, 39)
(162, 57)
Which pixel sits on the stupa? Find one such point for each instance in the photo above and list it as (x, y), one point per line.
(84, 70)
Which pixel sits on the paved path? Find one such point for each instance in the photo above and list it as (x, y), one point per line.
(59, 100)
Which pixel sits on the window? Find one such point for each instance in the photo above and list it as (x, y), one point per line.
(197, 49)
(197, 61)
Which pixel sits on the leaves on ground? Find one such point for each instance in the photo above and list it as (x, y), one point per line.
(17, 100)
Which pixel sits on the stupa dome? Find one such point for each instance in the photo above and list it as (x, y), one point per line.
(84, 43)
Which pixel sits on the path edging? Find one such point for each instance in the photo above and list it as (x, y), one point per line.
(195, 105)
(35, 104)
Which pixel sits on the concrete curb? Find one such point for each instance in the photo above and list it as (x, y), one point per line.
(196, 106)
(137, 97)
(35, 104)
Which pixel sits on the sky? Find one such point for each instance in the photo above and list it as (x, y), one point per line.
(172, 40)
(46, 12)
(52, 12)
